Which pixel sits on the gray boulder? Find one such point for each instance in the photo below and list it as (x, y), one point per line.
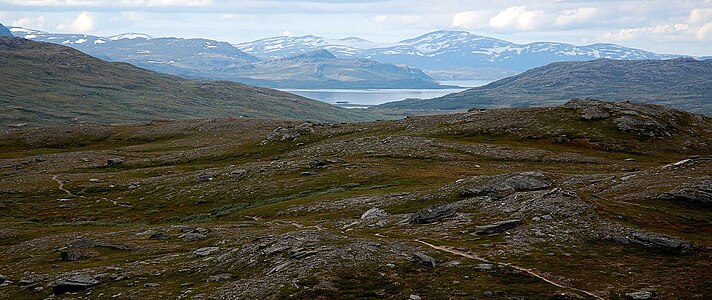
(374, 213)
(640, 295)
(219, 277)
(424, 259)
(114, 162)
(73, 284)
(193, 236)
(432, 214)
(496, 227)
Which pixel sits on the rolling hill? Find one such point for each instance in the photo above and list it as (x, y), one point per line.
(321, 69)
(45, 84)
(683, 83)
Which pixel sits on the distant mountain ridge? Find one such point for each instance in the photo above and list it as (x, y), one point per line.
(4, 31)
(44, 84)
(444, 50)
(209, 59)
(682, 83)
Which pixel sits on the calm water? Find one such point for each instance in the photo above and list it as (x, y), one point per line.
(380, 96)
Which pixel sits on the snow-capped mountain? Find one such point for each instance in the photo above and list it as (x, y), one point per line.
(284, 46)
(446, 50)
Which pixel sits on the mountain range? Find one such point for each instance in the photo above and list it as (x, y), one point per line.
(451, 54)
(442, 55)
(210, 59)
(683, 83)
(45, 84)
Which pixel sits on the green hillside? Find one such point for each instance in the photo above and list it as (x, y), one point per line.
(48, 84)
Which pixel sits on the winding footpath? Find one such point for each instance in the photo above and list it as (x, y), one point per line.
(525, 270)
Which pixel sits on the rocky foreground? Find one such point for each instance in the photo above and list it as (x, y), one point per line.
(590, 200)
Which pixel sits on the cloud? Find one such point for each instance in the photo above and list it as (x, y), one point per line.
(83, 23)
(704, 31)
(699, 15)
(575, 16)
(517, 18)
(29, 22)
(471, 19)
(287, 33)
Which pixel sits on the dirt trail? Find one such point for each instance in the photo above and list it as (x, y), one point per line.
(61, 185)
(525, 270)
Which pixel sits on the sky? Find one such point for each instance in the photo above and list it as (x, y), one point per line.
(663, 26)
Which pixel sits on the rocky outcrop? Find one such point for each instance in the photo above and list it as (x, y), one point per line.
(433, 214)
(653, 241)
(700, 194)
(500, 188)
(73, 284)
(496, 227)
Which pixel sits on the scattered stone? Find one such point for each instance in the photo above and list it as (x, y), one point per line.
(24, 282)
(94, 180)
(424, 259)
(219, 277)
(496, 227)
(203, 177)
(640, 295)
(114, 162)
(374, 213)
(38, 289)
(193, 236)
(151, 284)
(238, 173)
(414, 297)
(494, 294)
(73, 284)
(484, 267)
(205, 251)
(432, 214)
(3, 278)
(159, 236)
(72, 254)
(307, 174)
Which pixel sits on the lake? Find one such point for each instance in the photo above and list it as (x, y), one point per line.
(380, 96)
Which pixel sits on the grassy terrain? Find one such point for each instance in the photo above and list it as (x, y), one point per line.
(251, 191)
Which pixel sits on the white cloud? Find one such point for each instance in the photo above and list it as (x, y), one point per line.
(517, 17)
(167, 2)
(704, 31)
(700, 15)
(471, 19)
(83, 23)
(287, 33)
(579, 15)
(29, 22)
